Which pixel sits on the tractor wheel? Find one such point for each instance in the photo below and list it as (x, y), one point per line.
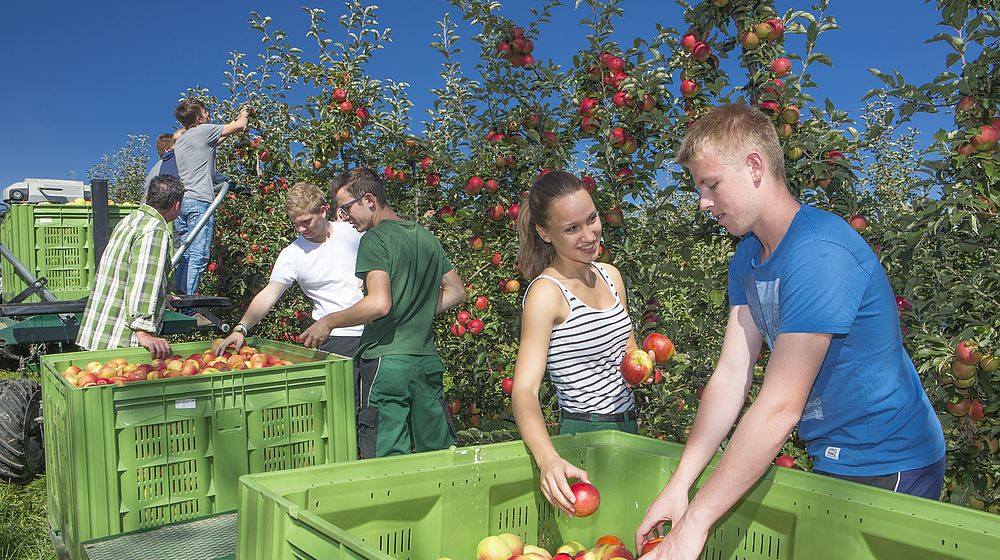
(22, 452)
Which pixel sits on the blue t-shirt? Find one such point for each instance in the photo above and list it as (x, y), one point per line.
(867, 413)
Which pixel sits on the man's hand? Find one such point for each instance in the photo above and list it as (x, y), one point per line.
(684, 542)
(235, 339)
(670, 504)
(171, 298)
(555, 486)
(158, 347)
(315, 335)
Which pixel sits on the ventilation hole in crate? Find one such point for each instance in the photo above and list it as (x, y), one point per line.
(161, 515)
(303, 454)
(512, 520)
(272, 422)
(396, 543)
(148, 442)
(302, 419)
(181, 437)
(150, 483)
(183, 477)
(275, 458)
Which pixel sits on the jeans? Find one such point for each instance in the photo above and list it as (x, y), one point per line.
(195, 260)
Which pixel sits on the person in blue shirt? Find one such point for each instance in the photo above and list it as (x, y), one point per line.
(806, 284)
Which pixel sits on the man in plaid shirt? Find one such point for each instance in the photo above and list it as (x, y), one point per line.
(126, 307)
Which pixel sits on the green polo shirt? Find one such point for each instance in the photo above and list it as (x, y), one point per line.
(415, 262)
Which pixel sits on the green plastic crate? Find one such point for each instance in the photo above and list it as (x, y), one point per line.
(428, 505)
(55, 241)
(151, 453)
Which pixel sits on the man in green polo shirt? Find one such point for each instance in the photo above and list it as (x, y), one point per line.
(130, 291)
(407, 280)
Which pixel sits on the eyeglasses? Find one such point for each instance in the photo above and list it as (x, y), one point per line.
(345, 208)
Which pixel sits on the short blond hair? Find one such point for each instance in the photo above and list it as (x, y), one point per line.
(304, 198)
(731, 132)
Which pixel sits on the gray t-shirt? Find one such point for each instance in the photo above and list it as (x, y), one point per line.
(195, 152)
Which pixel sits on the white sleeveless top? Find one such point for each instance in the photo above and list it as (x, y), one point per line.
(585, 351)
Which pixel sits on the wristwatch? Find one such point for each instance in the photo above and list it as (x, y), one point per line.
(240, 328)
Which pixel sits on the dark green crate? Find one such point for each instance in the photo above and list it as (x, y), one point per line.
(54, 241)
(430, 505)
(152, 453)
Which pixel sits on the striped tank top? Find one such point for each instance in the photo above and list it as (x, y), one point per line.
(585, 351)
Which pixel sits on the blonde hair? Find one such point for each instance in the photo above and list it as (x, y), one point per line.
(731, 132)
(533, 254)
(304, 198)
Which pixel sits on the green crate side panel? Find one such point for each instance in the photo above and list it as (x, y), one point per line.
(160, 452)
(54, 241)
(410, 507)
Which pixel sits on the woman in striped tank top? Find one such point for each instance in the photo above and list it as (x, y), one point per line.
(574, 326)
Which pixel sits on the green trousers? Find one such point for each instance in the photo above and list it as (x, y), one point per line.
(571, 426)
(401, 406)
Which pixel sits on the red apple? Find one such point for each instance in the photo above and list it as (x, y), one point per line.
(514, 211)
(903, 303)
(496, 212)
(616, 64)
(968, 352)
(491, 186)
(475, 184)
(689, 88)
(661, 345)
(457, 329)
(986, 140)
(454, 405)
(965, 103)
(858, 222)
(650, 545)
(781, 67)
(614, 216)
(476, 326)
(976, 411)
(482, 302)
(507, 385)
(636, 367)
(588, 499)
(589, 183)
(786, 461)
(701, 52)
(960, 408)
(476, 243)
(587, 106)
(688, 41)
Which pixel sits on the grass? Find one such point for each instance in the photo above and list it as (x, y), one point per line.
(24, 533)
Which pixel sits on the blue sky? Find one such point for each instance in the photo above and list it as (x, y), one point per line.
(81, 76)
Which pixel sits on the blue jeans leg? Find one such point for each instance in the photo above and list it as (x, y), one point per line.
(195, 259)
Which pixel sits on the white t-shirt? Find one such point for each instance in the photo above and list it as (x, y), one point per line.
(325, 272)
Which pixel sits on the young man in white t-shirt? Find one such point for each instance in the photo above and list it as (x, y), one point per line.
(321, 260)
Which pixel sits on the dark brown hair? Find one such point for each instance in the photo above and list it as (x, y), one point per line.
(533, 254)
(359, 182)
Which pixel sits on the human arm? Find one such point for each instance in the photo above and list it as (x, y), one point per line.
(145, 288)
(721, 402)
(452, 291)
(238, 125)
(791, 370)
(544, 306)
(376, 303)
(258, 308)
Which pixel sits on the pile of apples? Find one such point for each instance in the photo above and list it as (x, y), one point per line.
(508, 546)
(119, 371)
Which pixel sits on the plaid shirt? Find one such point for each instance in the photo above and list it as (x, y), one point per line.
(131, 286)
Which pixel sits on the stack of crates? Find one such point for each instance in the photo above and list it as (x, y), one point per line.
(55, 241)
(441, 504)
(121, 458)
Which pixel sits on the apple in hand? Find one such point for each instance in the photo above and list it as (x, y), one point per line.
(588, 499)
(636, 367)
